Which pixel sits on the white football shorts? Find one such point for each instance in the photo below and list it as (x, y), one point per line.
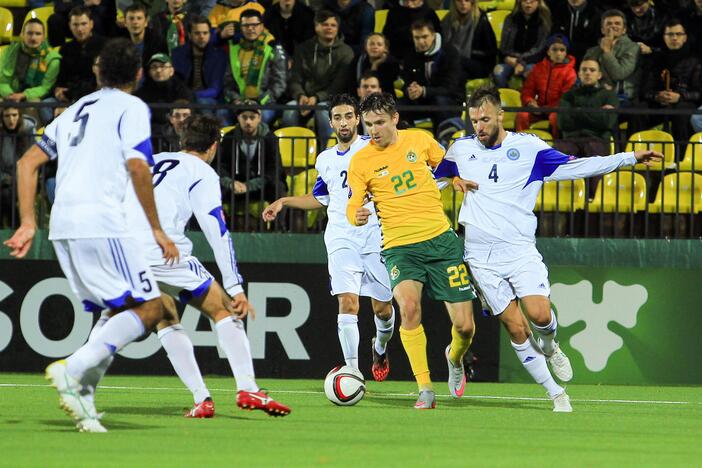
(350, 271)
(185, 280)
(509, 273)
(105, 272)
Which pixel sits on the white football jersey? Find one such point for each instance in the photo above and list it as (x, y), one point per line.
(332, 190)
(185, 185)
(510, 176)
(92, 140)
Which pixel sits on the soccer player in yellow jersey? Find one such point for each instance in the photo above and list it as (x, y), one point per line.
(419, 247)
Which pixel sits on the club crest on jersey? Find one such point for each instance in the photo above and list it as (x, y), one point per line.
(394, 273)
(411, 157)
(513, 154)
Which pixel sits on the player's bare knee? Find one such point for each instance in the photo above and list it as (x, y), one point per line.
(411, 311)
(518, 333)
(348, 304)
(150, 313)
(466, 329)
(383, 310)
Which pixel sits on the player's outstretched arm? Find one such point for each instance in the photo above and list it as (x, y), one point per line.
(648, 157)
(301, 202)
(27, 174)
(144, 189)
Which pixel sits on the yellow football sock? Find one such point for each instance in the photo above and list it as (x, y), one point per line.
(415, 344)
(459, 346)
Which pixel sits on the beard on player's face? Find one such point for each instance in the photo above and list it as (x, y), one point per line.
(491, 137)
(344, 136)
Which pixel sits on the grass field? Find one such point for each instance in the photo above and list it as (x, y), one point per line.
(493, 425)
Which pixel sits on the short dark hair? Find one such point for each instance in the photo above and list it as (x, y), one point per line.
(119, 62)
(199, 133)
(34, 21)
(197, 19)
(251, 13)
(612, 13)
(421, 23)
(380, 103)
(80, 11)
(488, 93)
(368, 74)
(180, 104)
(322, 15)
(136, 7)
(343, 100)
(672, 22)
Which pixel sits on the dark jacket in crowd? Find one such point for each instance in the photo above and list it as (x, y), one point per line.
(163, 92)
(437, 71)
(586, 123)
(524, 38)
(153, 44)
(684, 70)
(476, 44)
(357, 21)
(76, 72)
(292, 31)
(580, 25)
(647, 28)
(214, 63)
(320, 71)
(398, 27)
(387, 72)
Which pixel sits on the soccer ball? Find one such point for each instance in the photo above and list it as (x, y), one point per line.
(344, 386)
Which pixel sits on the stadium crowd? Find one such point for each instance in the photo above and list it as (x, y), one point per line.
(233, 53)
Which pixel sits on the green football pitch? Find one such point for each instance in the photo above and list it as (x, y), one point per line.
(492, 425)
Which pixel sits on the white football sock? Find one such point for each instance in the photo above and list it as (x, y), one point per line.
(347, 328)
(235, 344)
(535, 363)
(383, 332)
(92, 377)
(547, 334)
(182, 356)
(114, 335)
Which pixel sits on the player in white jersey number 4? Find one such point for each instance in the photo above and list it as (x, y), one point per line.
(500, 248)
(100, 142)
(355, 266)
(185, 185)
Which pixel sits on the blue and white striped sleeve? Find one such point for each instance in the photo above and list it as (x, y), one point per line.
(563, 167)
(48, 140)
(321, 191)
(134, 129)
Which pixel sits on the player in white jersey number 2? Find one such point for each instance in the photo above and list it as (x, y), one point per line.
(185, 185)
(355, 266)
(500, 247)
(100, 142)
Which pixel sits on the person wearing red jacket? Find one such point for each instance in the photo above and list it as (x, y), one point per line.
(547, 82)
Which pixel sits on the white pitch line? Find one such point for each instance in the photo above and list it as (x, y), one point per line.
(382, 395)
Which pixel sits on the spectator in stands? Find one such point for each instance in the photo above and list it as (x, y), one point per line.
(102, 12)
(147, 41)
(250, 160)
(200, 64)
(618, 57)
(28, 68)
(357, 20)
(16, 136)
(399, 21)
(586, 133)
(547, 82)
(672, 81)
(430, 74)
(226, 14)
(76, 77)
(579, 21)
(167, 137)
(171, 24)
(467, 28)
(153, 7)
(257, 68)
(291, 22)
(692, 20)
(376, 58)
(645, 25)
(523, 41)
(320, 69)
(161, 85)
(369, 83)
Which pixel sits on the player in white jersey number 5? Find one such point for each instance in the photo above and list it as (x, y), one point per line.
(185, 185)
(101, 142)
(500, 247)
(355, 267)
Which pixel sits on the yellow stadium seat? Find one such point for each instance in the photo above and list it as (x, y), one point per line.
(41, 13)
(693, 154)
(655, 140)
(380, 17)
(541, 125)
(472, 85)
(224, 130)
(681, 193)
(422, 129)
(7, 25)
(497, 19)
(298, 147)
(487, 5)
(546, 136)
(564, 195)
(510, 98)
(441, 14)
(14, 3)
(621, 192)
(332, 140)
(452, 204)
(505, 5)
(302, 184)
(456, 135)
